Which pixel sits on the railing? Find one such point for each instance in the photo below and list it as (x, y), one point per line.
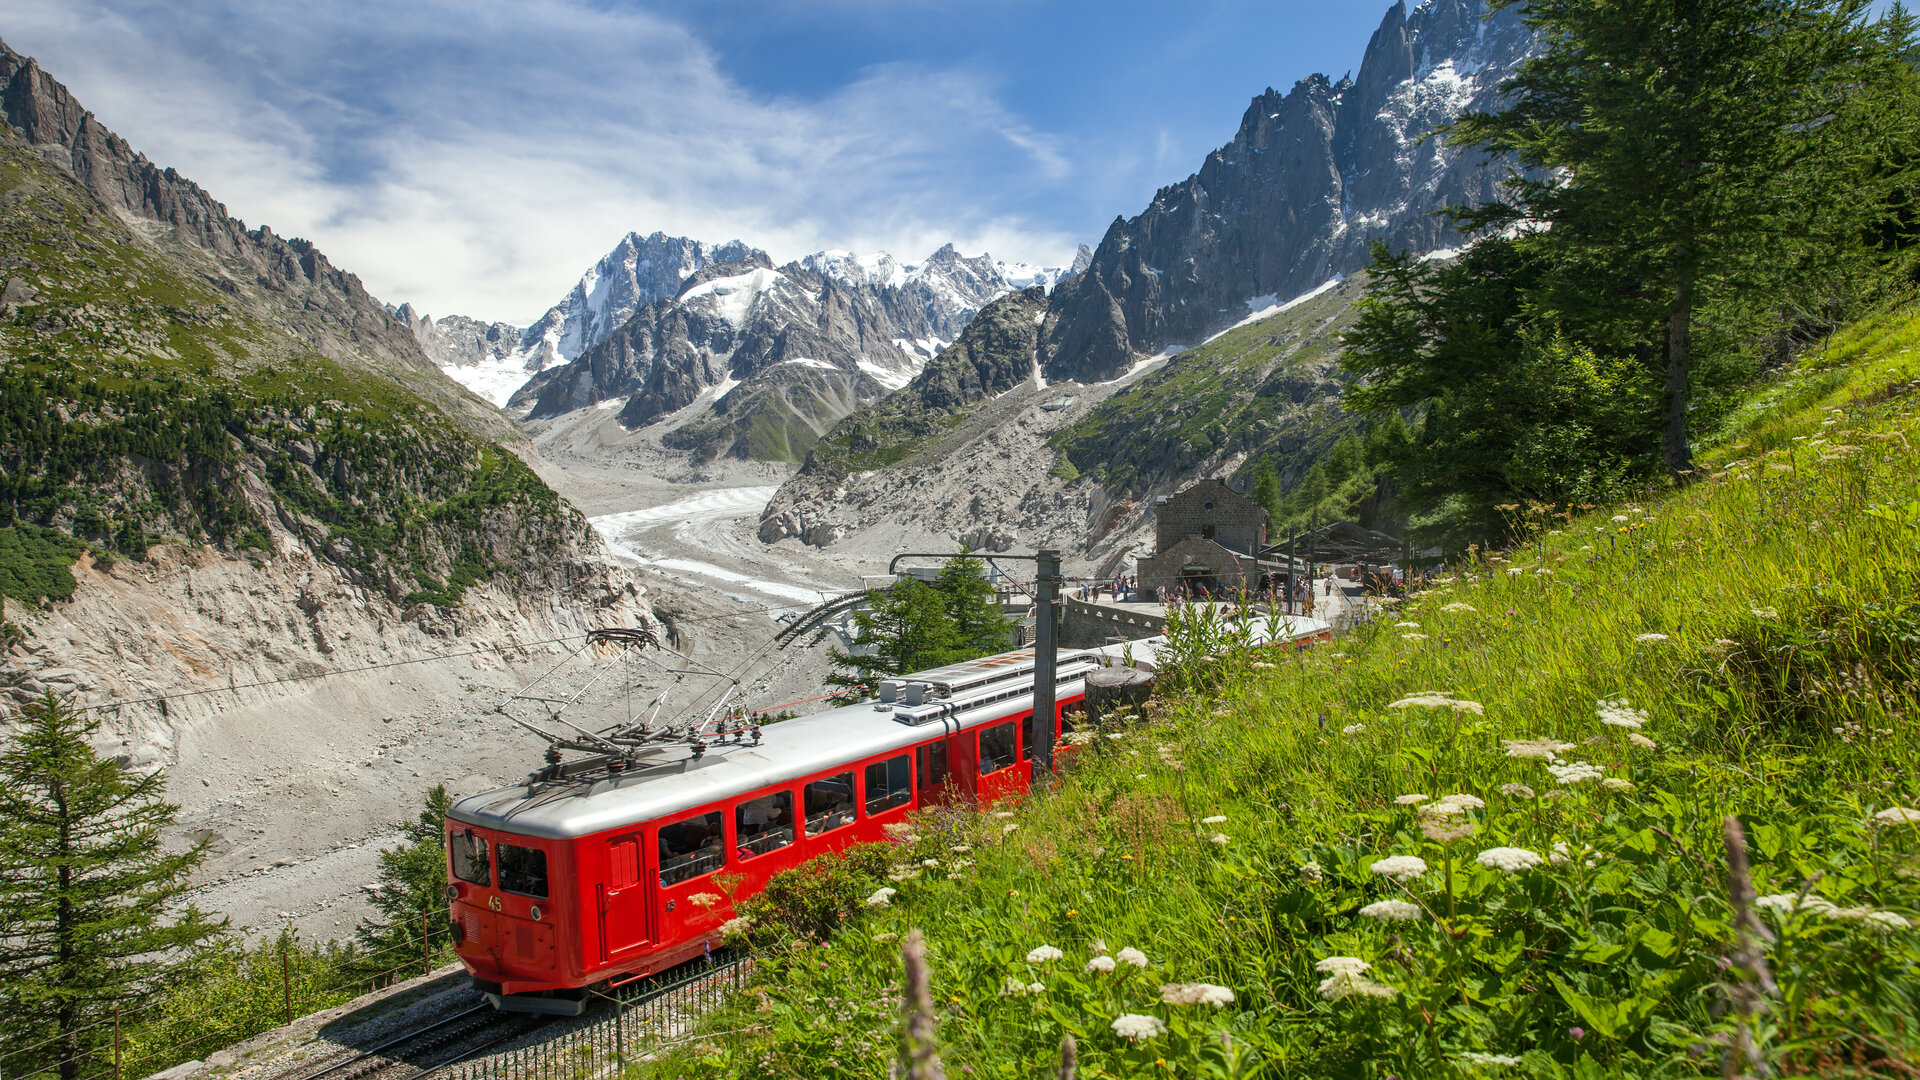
(629, 1022)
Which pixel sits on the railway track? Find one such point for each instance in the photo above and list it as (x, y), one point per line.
(425, 1049)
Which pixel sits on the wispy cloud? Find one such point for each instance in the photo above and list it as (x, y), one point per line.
(474, 157)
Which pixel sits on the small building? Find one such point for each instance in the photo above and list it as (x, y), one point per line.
(1206, 540)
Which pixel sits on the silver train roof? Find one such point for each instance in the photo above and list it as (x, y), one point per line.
(976, 693)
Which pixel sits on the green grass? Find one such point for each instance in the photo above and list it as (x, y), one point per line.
(1767, 623)
(1264, 390)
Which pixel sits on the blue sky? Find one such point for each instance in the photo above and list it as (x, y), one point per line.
(476, 157)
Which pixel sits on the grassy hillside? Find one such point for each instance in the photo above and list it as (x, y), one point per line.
(139, 402)
(1263, 390)
(1747, 647)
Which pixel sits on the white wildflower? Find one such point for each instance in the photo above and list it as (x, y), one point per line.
(1312, 872)
(1619, 519)
(1353, 729)
(1401, 867)
(1642, 741)
(1888, 920)
(736, 928)
(1017, 988)
(1574, 772)
(1196, 994)
(1100, 965)
(902, 873)
(1043, 954)
(1407, 625)
(929, 863)
(1463, 802)
(1897, 815)
(1460, 606)
(1475, 1057)
(1391, 911)
(1509, 859)
(1617, 714)
(1132, 956)
(1546, 749)
(1516, 571)
(1410, 800)
(1650, 637)
(1219, 838)
(1342, 965)
(882, 897)
(704, 900)
(1518, 791)
(1616, 783)
(1003, 813)
(1764, 613)
(1136, 1028)
(1008, 827)
(1438, 699)
(1214, 819)
(1414, 637)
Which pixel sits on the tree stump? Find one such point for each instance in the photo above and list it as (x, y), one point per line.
(1110, 688)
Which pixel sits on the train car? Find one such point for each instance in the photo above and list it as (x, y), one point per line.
(595, 873)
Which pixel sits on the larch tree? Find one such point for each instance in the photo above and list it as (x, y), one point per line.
(970, 602)
(1673, 151)
(90, 913)
(412, 889)
(905, 627)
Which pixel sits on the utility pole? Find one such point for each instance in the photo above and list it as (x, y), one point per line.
(1293, 569)
(1046, 601)
(1045, 654)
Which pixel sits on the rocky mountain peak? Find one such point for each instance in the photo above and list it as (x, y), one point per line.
(1310, 180)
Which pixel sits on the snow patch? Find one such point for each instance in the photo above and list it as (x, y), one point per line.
(808, 361)
(733, 297)
(892, 380)
(496, 380)
(1264, 306)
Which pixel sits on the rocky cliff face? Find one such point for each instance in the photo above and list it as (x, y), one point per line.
(285, 279)
(455, 341)
(1310, 181)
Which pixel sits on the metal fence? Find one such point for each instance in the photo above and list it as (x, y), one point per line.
(628, 1022)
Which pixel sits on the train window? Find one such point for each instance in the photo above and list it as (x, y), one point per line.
(523, 870)
(763, 824)
(1026, 737)
(996, 748)
(829, 803)
(889, 784)
(691, 848)
(470, 858)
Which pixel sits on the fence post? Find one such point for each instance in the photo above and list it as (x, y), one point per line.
(426, 950)
(116, 1042)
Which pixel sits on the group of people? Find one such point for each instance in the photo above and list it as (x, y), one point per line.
(1119, 590)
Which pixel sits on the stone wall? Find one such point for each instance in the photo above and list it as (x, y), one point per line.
(1214, 511)
(1226, 569)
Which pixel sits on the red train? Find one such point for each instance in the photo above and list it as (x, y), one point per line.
(592, 873)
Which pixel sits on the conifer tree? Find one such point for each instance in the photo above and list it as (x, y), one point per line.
(904, 628)
(86, 885)
(412, 889)
(1679, 150)
(978, 622)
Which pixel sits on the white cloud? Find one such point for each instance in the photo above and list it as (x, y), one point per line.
(474, 158)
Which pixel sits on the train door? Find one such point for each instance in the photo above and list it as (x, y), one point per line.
(624, 898)
(998, 769)
(933, 773)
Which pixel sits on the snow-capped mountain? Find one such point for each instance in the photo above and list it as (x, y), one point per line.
(778, 353)
(1310, 181)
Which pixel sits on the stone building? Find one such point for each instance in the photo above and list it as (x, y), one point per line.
(1206, 538)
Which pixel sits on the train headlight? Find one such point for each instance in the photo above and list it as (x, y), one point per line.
(535, 912)
(453, 892)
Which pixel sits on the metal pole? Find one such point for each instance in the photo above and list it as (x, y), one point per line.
(426, 947)
(116, 1042)
(1045, 656)
(1292, 570)
(1313, 546)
